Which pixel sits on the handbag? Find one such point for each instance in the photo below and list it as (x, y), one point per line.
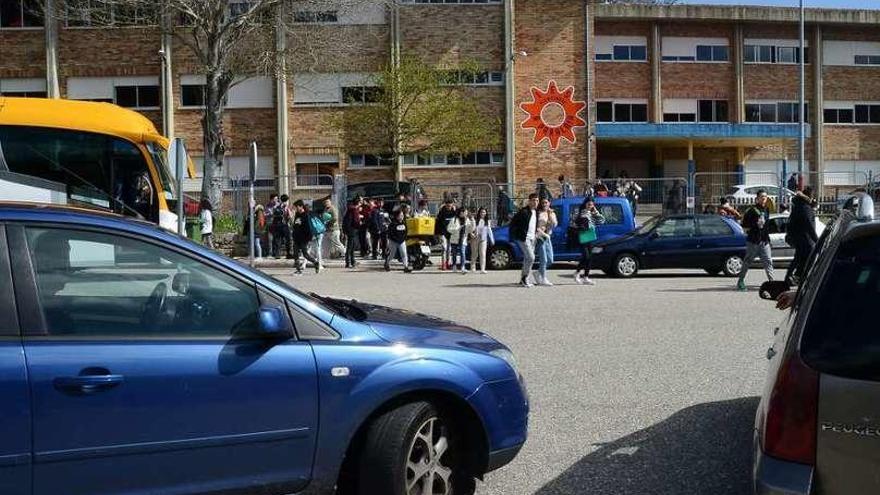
(587, 236)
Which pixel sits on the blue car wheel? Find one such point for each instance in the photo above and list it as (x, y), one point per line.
(625, 265)
(500, 257)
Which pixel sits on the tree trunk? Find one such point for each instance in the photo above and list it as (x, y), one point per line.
(214, 147)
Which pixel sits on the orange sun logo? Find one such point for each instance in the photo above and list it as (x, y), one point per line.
(554, 101)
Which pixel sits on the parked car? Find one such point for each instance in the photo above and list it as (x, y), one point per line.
(742, 192)
(710, 242)
(387, 190)
(778, 226)
(135, 361)
(818, 420)
(619, 220)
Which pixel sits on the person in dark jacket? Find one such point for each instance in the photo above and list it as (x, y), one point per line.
(397, 241)
(301, 234)
(379, 220)
(351, 225)
(441, 226)
(503, 206)
(756, 224)
(801, 234)
(523, 228)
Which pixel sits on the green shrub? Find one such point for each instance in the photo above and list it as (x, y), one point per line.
(226, 223)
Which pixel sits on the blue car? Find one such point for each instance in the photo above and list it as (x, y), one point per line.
(133, 361)
(710, 242)
(619, 220)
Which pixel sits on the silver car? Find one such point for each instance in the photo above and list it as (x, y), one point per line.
(778, 227)
(817, 430)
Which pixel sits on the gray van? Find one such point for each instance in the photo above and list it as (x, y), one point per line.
(817, 429)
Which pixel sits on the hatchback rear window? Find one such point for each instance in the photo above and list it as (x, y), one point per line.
(842, 337)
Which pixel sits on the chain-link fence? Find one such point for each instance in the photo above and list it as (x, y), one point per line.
(236, 191)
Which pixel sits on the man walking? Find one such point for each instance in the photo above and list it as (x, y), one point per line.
(351, 224)
(801, 234)
(441, 229)
(301, 234)
(334, 228)
(755, 222)
(523, 227)
(280, 227)
(379, 220)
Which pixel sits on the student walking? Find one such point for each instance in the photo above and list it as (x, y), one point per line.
(461, 228)
(584, 226)
(366, 208)
(334, 229)
(318, 224)
(259, 229)
(206, 217)
(441, 230)
(351, 224)
(547, 221)
(523, 228)
(301, 234)
(379, 221)
(482, 238)
(397, 241)
(281, 227)
(756, 223)
(801, 233)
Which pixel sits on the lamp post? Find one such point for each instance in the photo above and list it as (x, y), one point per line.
(802, 103)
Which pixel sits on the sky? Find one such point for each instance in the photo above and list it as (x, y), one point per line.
(840, 4)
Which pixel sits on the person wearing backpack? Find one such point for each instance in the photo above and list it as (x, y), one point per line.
(280, 227)
(319, 228)
(351, 224)
(301, 235)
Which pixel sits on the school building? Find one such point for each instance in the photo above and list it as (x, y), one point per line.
(578, 88)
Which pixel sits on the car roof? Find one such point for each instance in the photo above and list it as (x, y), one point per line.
(43, 212)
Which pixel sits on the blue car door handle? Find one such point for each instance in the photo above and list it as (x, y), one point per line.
(87, 384)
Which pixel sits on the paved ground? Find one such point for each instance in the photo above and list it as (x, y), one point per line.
(646, 386)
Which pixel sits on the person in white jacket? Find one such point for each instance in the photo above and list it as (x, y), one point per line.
(461, 230)
(482, 238)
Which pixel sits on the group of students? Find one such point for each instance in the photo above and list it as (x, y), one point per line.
(387, 231)
(532, 228)
(459, 229)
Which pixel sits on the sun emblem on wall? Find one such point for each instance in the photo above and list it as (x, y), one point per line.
(553, 114)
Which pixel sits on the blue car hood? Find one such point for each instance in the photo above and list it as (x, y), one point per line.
(629, 236)
(418, 329)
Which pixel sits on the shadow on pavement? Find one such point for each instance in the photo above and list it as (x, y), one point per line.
(704, 449)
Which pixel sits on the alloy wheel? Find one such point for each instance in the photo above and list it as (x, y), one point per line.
(626, 266)
(733, 265)
(500, 259)
(426, 473)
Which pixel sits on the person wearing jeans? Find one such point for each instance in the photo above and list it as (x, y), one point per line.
(483, 237)
(441, 230)
(397, 241)
(351, 224)
(337, 248)
(544, 246)
(523, 228)
(755, 222)
(587, 219)
(301, 235)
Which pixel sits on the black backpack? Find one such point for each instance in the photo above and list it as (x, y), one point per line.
(278, 216)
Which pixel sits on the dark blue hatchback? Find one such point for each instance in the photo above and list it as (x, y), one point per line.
(710, 242)
(134, 361)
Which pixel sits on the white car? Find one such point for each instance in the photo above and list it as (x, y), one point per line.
(743, 192)
(778, 226)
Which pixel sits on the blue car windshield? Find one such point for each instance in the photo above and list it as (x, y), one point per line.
(649, 225)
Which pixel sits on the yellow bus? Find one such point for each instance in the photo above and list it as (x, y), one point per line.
(90, 154)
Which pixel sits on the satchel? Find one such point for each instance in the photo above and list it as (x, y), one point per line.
(587, 236)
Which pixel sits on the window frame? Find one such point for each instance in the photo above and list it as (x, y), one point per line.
(22, 9)
(23, 253)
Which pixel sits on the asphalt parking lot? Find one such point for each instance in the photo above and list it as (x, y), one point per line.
(644, 386)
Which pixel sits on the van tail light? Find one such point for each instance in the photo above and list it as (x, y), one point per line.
(792, 412)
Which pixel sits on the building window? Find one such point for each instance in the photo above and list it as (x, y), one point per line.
(867, 59)
(771, 54)
(625, 53)
(91, 13)
(679, 117)
(713, 111)
(361, 94)
(867, 114)
(468, 78)
(609, 111)
(707, 53)
(315, 174)
(464, 2)
(839, 115)
(775, 113)
(20, 14)
(369, 161)
(192, 95)
(323, 17)
(477, 158)
(137, 96)
(23, 88)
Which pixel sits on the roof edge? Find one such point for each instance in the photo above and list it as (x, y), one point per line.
(737, 13)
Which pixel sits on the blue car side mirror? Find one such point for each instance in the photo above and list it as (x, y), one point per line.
(274, 322)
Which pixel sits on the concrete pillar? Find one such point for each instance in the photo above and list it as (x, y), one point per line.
(281, 110)
(395, 61)
(51, 31)
(656, 83)
(692, 170)
(509, 92)
(739, 69)
(658, 168)
(590, 57)
(818, 122)
(783, 177)
(167, 83)
(741, 165)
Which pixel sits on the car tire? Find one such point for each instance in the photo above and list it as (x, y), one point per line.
(500, 258)
(401, 443)
(732, 265)
(625, 265)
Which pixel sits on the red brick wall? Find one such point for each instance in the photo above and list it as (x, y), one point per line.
(852, 142)
(698, 80)
(360, 48)
(851, 83)
(552, 33)
(22, 53)
(623, 79)
(775, 82)
(110, 52)
(448, 35)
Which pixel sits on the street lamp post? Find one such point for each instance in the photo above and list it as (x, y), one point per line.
(802, 103)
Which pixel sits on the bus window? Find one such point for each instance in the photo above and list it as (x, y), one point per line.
(97, 170)
(158, 155)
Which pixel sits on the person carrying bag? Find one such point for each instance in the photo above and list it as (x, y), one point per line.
(584, 224)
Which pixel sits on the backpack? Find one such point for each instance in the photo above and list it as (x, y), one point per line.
(317, 224)
(278, 216)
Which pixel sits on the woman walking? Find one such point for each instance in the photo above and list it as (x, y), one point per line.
(206, 216)
(483, 237)
(584, 226)
(461, 227)
(397, 241)
(547, 221)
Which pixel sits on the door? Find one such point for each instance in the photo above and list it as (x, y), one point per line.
(147, 376)
(15, 406)
(717, 241)
(672, 244)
